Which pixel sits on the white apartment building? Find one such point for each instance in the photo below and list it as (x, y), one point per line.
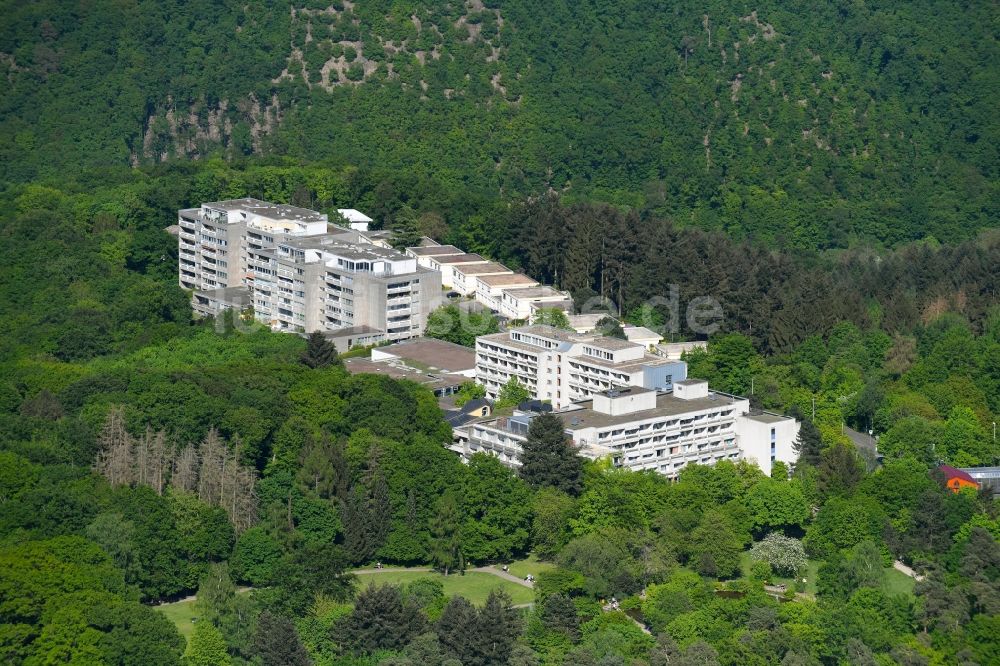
(463, 276)
(643, 429)
(326, 283)
(299, 273)
(519, 303)
(490, 288)
(563, 367)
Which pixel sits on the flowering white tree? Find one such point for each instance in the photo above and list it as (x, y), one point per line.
(784, 554)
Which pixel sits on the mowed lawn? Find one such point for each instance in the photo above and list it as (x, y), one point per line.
(529, 565)
(182, 614)
(473, 585)
(895, 582)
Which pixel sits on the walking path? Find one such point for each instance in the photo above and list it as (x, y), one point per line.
(487, 569)
(902, 568)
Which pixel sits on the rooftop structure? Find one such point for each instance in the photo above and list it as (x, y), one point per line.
(440, 383)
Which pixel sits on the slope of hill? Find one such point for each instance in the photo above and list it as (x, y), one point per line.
(787, 122)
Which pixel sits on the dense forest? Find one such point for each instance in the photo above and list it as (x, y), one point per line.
(827, 173)
(791, 123)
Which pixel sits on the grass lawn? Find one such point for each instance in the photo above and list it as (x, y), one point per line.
(474, 585)
(182, 614)
(810, 574)
(529, 565)
(897, 582)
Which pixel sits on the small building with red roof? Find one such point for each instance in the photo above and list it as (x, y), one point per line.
(957, 479)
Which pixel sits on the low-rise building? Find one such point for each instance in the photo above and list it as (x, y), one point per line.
(642, 335)
(430, 354)
(424, 253)
(519, 302)
(446, 265)
(563, 366)
(463, 276)
(674, 350)
(644, 429)
(490, 288)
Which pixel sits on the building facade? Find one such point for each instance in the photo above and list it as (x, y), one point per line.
(301, 274)
(644, 429)
(563, 367)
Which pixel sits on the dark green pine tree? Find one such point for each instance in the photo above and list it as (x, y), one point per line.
(456, 629)
(445, 548)
(382, 620)
(559, 614)
(277, 643)
(405, 229)
(808, 443)
(356, 526)
(320, 352)
(548, 458)
(498, 626)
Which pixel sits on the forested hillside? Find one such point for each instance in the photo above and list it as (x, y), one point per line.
(790, 123)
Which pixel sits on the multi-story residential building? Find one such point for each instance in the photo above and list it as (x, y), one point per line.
(328, 283)
(644, 429)
(490, 288)
(214, 240)
(517, 303)
(463, 277)
(563, 366)
(300, 273)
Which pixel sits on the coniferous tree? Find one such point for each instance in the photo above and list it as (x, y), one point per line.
(320, 352)
(445, 545)
(456, 628)
(548, 457)
(559, 614)
(382, 620)
(498, 626)
(357, 535)
(405, 229)
(808, 444)
(277, 643)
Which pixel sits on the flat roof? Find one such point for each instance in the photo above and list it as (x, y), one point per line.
(433, 354)
(541, 291)
(691, 382)
(666, 405)
(647, 361)
(611, 344)
(767, 417)
(546, 331)
(505, 279)
(489, 268)
(268, 209)
(226, 294)
(351, 331)
(434, 250)
(461, 259)
(431, 380)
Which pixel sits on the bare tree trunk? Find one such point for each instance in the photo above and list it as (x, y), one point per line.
(185, 476)
(116, 456)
